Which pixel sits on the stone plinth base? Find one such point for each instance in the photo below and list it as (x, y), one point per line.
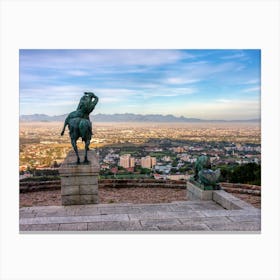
(196, 193)
(79, 182)
(230, 202)
(226, 200)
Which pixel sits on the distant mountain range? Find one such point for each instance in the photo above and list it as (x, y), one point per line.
(124, 118)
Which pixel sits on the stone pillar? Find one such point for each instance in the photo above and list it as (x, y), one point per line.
(79, 182)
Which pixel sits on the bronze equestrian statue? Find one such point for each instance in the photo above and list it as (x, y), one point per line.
(79, 124)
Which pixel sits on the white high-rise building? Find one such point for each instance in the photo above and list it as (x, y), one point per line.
(125, 160)
(153, 161)
(131, 162)
(146, 162)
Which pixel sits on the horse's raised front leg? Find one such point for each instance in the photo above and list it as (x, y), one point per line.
(74, 145)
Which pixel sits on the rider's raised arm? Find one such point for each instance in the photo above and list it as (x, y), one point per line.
(95, 101)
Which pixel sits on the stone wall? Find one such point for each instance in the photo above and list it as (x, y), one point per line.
(103, 183)
(241, 188)
(33, 186)
(144, 183)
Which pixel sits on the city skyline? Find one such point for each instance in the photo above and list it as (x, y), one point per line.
(206, 84)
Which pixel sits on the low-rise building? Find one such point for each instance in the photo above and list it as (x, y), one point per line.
(163, 168)
(178, 177)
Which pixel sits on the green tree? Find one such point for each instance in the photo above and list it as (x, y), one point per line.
(145, 171)
(249, 173)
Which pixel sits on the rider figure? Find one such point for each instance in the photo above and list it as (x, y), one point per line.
(83, 110)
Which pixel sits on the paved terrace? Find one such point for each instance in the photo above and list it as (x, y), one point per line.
(182, 216)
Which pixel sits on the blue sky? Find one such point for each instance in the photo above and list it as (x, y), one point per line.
(206, 84)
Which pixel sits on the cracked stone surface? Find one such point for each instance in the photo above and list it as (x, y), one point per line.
(181, 216)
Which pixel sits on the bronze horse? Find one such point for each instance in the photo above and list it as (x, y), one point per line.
(79, 124)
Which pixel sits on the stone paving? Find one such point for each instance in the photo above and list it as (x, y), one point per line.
(180, 216)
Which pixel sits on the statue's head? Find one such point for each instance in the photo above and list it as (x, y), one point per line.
(90, 94)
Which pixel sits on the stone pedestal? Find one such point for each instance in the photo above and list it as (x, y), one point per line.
(79, 182)
(196, 193)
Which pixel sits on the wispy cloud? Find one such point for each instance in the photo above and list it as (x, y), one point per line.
(148, 93)
(147, 81)
(252, 89)
(83, 59)
(252, 81)
(235, 55)
(180, 80)
(78, 73)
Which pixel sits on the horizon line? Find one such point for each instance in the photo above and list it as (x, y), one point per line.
(180, 117)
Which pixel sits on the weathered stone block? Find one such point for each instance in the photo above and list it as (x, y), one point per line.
(195, 193)
(79, 182)
(39, 227)
(73, 227)
(101, 226)
(78, 179)
(221, 198)
(185, 227)
(242, 204)
(89, 189)
(69, 166)
(70, 190)
(228, 201)
(88, 199)
(243, 226)
(70, 199)
(161, 222)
